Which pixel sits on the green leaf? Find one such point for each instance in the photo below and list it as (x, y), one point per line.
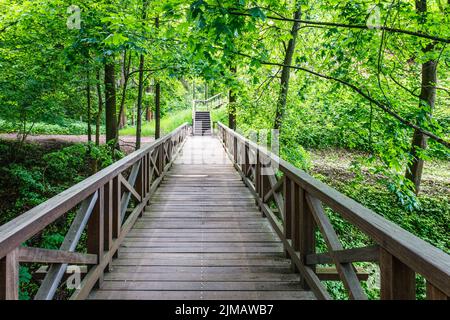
(257, 13)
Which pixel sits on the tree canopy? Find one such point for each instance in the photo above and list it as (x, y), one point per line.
(364, 75)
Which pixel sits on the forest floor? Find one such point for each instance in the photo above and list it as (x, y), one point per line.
(127, 143)
(337, 164)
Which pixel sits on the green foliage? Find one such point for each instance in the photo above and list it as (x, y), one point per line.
(429, 223)
(65, 128)
(52, 241)
(169, 122)
(24, 280)
(296, 155)
(238, 46)
(74, 162)
(31, 174)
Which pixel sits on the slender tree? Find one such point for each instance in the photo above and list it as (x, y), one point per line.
(88, 98)
(232, 104)
(157, 110)
(157, 99)
(100, 109)
(110, 102)
(286, 70)
(427, 101)
(140, 85)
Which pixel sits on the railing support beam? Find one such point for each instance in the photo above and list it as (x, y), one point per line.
(9, 276)
(398, 281)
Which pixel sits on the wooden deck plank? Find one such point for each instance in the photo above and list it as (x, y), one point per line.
(201, 285)
(203, 295)
(201, 237)
(199, 277)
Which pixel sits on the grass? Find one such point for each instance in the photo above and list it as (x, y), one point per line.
(169, 123)
(173, 120)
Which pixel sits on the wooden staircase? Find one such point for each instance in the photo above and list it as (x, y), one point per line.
(202, 123)
(201, 114)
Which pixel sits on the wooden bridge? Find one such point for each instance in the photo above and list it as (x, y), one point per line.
(207, 217)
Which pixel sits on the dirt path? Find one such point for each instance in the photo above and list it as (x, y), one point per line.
(127, 143)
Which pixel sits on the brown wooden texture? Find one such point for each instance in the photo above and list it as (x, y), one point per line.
(54, 256)
(102, 204)
(407, 254)
(9, 276)
(195, 242)
(398, 281)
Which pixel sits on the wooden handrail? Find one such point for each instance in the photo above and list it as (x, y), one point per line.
(300, 200)
(209, 99)
(207, 102)
(102, 204)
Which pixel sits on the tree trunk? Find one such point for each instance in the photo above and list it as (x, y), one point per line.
(139, 102)
(140, 85)
(148, 108)
(110, 102)
(157, 99)
(157, 110)
(427, 100)
(126, 65)
(99, 113)
(88, 98)
(286, 72)
(148, 113)
(232, 105)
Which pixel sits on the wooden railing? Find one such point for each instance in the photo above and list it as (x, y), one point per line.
(207, 105)
(108, 204)
(293, 201)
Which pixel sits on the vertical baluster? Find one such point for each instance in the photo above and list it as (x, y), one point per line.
(160, 163)
(235, 150)
(265, 170)
(95, 232)
(245, 159)
(140, 181)
(258, 177)
(307, 241)
(108, 220)
(9, 276)
(295, 217)
(287, 210)
(146, 173)
(116, 215)
(398, 281)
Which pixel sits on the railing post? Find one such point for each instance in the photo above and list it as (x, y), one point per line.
(245, 165)
(108, 209)
(264, 186)
(159, 159)
(235, 150)
(287, 210)
(9, 276)
(146, 174)
(295, 216)
(258, 178)
(307, 236)
(397, 280)
(116, 205)
(140, 181)
(95, 232)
